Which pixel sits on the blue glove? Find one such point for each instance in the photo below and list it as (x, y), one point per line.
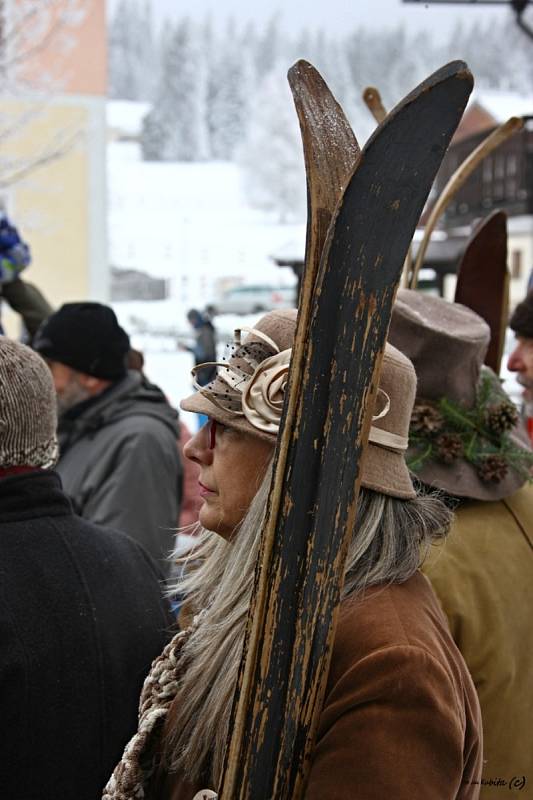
(14, 253)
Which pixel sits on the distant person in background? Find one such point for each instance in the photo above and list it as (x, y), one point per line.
(82, 614)
(119, 462)
(23, 297)
(205, 346)
(204, 349)
(521, 359)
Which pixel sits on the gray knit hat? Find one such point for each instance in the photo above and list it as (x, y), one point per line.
(28, 416)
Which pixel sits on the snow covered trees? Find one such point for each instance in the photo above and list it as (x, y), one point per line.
(176, 129)
(272, 155)
(132, 58)
(214, 95)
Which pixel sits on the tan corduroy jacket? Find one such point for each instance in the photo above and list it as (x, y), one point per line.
(483, 576)
(401, 717)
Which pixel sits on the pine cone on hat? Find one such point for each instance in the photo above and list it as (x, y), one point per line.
(501, 417)
(449, 447)
(426, 418)
(492, 469)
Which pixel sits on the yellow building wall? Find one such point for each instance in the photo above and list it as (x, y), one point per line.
(57, 207)
(60, 208)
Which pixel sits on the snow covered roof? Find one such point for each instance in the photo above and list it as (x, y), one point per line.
(126, 116)
(502, 104)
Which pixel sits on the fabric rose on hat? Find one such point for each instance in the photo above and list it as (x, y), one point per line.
(262, 400)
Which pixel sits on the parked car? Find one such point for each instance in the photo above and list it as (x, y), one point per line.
(254, 299)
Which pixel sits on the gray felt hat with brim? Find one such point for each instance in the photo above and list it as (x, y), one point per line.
(447, 343)
(262, 360)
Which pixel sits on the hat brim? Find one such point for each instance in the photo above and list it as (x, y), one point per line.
(460, 478)
(386, 471)
(199, 404)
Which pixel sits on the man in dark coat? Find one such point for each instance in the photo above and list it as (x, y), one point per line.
(82, 615)
(119, 461)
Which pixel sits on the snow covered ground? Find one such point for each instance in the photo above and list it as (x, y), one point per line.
(190, 223)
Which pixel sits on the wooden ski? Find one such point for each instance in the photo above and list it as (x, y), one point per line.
(312, 503)
(374, 103)
(483, 281)
(330, 153)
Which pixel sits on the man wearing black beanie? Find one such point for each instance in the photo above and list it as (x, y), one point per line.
(119, 462)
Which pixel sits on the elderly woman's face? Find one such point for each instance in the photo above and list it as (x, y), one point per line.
(232, 466)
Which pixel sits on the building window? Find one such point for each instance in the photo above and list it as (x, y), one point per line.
(516, 264)
(512, 165)
(510, 188)
(487, 170)
(499, 167)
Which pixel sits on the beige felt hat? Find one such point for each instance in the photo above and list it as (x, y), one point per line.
(248, 394)
(447, 343)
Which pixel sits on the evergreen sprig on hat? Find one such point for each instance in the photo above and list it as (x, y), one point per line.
(444, 431)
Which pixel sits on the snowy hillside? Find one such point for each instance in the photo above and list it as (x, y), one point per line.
(188, 223)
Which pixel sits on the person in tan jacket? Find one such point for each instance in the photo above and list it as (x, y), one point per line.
(467, 441)
(400, 717)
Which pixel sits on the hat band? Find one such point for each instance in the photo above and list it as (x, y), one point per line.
(261, 392)
(388, 440)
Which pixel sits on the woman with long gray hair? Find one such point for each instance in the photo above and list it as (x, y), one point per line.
(400, 716)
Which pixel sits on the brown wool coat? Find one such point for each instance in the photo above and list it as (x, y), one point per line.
(401, 717)
(483, 576)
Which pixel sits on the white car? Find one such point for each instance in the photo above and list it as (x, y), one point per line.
(256, 298)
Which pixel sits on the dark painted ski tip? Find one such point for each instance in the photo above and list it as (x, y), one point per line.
(456, 71)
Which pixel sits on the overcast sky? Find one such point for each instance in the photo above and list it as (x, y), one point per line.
(334, 16)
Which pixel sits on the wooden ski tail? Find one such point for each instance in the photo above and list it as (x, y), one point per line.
(312, 504)
(483, 281)
(373, 102)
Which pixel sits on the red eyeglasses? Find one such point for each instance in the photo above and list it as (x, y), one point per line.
(211, 427)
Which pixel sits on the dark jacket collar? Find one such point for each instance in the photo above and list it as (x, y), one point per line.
(35, 494)
(131, 396)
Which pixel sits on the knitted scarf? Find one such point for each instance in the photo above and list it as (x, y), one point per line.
(129, 780)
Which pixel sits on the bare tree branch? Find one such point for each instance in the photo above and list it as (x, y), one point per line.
(32, 28)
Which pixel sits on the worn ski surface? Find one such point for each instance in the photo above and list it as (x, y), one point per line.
(483, 281)
(326, 422)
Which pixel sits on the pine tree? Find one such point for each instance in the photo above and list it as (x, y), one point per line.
(271, 156)
(175, 129)
(230, 96)
(132, 56)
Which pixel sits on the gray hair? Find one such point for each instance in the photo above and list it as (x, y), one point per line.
(390, 539)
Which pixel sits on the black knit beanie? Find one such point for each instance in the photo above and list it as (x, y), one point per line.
(86, 337)
(522, 319)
